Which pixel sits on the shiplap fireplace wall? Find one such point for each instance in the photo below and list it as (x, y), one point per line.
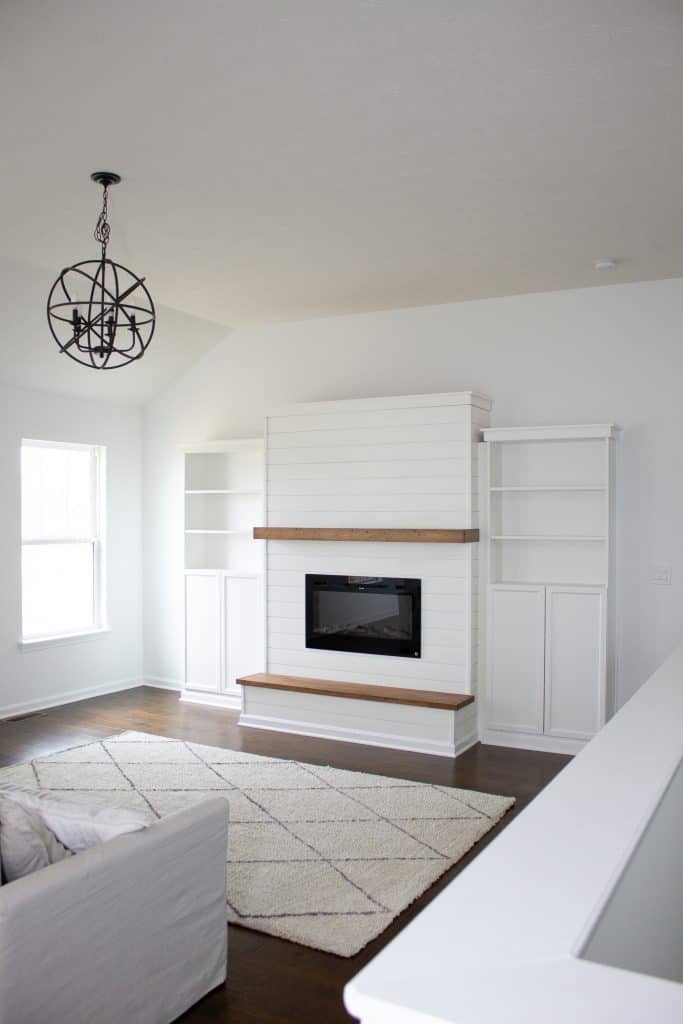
(404, 462)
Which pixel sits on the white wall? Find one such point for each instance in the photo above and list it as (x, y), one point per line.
(591, 355)
(51, 675)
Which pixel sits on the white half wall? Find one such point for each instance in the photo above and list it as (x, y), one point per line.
(591, 355)
(44, 676)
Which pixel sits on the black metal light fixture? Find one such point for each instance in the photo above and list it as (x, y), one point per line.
(99, 312)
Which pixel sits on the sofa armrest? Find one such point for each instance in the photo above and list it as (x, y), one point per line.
(133, 930)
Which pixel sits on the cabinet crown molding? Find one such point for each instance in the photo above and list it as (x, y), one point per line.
(575, 432)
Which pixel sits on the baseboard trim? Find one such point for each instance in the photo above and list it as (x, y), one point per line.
(466, 742)
(159, 683)
(530, 741)
(69, 697)
(227, 701)
(370, 739)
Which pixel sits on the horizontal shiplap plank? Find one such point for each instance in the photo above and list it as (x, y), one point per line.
(377, 487)
(375, 565)
(439, 468)
(286, 642)
(370, 420)
(360, 405)
(366, 519)
(353, 551)
(447, 678)
(330, 440)
(405, 452)
(418, 501)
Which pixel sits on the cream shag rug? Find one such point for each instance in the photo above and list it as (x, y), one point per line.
(317, 855)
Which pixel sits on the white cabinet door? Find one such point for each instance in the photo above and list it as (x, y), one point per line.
(242, 630)
(202, 632)
(575, 661)
(516, 658)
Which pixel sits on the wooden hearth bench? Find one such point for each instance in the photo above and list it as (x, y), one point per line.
(431, 721)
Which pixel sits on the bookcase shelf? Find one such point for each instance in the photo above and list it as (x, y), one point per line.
(224, 496)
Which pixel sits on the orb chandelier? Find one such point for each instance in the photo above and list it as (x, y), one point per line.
(99, 312)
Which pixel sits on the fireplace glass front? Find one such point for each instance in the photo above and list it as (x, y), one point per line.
(363, 614)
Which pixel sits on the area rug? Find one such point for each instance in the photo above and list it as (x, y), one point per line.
(317, 855)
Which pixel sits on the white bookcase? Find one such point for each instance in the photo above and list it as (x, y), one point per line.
(547, 533)
(224, 569)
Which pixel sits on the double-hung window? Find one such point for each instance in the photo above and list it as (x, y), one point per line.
(62, 525)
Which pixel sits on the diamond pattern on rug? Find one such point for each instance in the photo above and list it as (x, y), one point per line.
(388, 880)
(173, 776)
(416, 802)
(341, 779)
(216, 755)
(93, 753)
(296, 888)
(267, 841)
(282, 775)
(53, 775)
(317, 855)
(150, 753)
(309, 805)
(361, 840)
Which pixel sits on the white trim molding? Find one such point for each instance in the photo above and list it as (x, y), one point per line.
(228, 701)
(159, 683)
(554, 433)
(350, 405)
(68, 697)
(39, 643)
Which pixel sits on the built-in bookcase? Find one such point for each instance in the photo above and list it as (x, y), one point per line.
(548, 501)
(224, 488)
(224, 500)
(548, 506)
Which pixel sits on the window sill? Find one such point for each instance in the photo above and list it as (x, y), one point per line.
(41, 642)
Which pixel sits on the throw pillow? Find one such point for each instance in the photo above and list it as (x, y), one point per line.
(26, 843)
(77, 825)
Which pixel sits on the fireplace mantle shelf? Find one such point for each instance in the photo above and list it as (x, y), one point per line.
(362, 534)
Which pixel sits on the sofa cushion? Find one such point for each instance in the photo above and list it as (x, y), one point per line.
(78, 826)
(26, 843)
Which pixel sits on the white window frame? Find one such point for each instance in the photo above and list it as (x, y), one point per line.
(97, 539)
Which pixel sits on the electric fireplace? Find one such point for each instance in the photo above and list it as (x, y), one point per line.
(363, 614)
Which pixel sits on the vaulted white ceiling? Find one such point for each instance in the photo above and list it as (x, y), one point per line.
(286, 160)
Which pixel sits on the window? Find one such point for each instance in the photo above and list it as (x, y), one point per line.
(62, 503)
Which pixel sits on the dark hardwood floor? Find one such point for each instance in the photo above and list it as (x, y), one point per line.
(271, 981)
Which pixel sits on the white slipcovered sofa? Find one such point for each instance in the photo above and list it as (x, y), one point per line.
(132, 931)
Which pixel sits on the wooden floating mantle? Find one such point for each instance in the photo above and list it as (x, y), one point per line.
(359, 691)
(360, 533)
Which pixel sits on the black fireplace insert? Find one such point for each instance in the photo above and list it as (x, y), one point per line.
(364, 614)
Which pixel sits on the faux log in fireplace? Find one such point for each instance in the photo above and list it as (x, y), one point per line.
(364, 615)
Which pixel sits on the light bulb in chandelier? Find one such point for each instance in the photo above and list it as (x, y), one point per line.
(100, 313)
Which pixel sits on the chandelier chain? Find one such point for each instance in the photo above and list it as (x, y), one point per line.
(102, 229)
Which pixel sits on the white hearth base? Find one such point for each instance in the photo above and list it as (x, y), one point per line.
(378, 724)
